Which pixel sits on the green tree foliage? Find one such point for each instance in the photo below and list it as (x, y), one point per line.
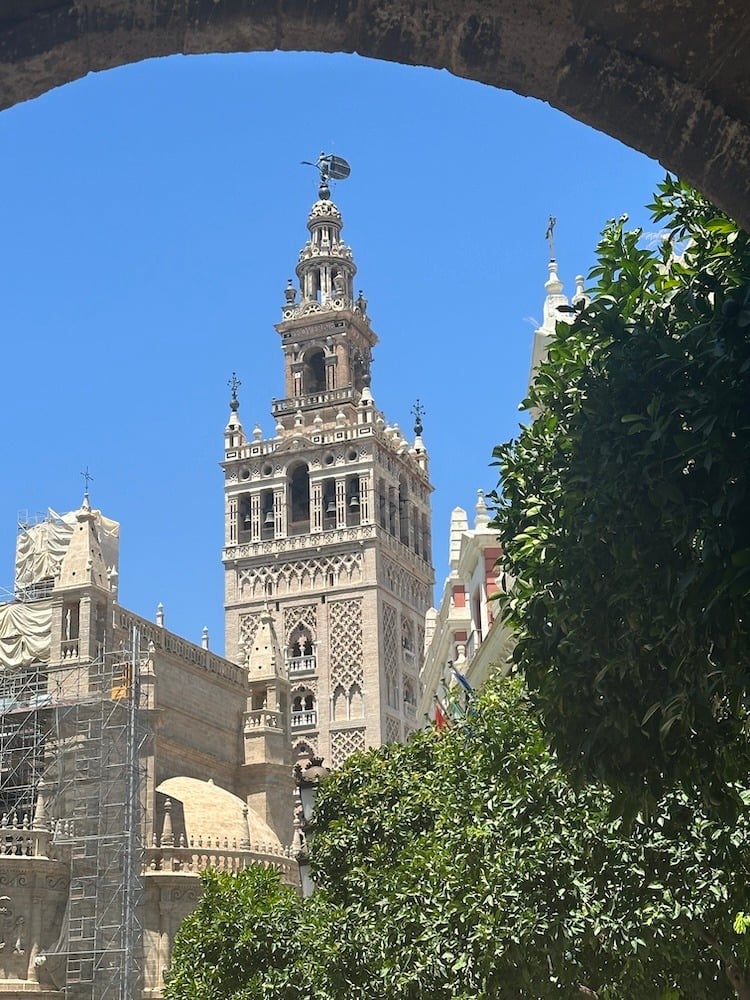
(625, 513)
(465, 866)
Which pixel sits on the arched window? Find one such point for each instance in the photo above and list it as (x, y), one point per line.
(356, 704)
(353, 505)
(329, 503)
(300, 654)
(407, 640)
(298, 503)
(267, 520)
(314, 372)
(304, 709)
(391, 691)
(382, 504)
(410, 699)
(338, 704)
(403, 510)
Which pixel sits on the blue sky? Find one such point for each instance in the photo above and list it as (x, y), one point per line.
(151, 217)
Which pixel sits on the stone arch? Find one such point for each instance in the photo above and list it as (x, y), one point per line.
(303, 749)
(633, 71)
(356, 702)
(338, 704)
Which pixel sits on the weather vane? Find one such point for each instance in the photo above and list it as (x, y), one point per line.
(418, 412)
(87, 478)
(333, 168)
(234, 383)
(550, 236)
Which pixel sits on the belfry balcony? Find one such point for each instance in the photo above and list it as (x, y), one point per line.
(305, 720)
(299, 665)
(280, 407)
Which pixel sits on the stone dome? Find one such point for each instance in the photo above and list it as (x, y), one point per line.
(201, 809)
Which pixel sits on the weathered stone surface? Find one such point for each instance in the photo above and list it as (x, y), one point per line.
(665, 76)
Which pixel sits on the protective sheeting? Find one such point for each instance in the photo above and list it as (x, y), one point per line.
(24, 634)
(40, 547)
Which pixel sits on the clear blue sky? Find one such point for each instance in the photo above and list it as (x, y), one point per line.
(151, 216)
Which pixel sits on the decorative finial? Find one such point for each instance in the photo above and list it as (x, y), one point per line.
(234, 383)
(418, 412)
(550, 236)
(331, 167)
(87, 478)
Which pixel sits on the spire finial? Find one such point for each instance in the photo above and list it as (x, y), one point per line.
(87, 478)
(418, 412)
(234, 383)
(550, 236)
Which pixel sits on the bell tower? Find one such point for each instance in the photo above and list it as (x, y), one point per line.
(327, 522)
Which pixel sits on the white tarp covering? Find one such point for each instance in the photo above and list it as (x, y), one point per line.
(40, 547)
(24, 634)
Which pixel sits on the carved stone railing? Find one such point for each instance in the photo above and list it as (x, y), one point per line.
(21, 839)
(354, 533)
(291, 405)
(259, 717)
(297, 665)
(304, 720)
(198, 857)
(171, 643)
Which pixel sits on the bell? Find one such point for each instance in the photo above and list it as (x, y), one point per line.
(246, 520)
(331, 507)
(354, 501)
(268, 519)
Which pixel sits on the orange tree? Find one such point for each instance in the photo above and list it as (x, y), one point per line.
(465, 865)
(624, 514)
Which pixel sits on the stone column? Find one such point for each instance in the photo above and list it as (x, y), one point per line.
(232, 529)
(255, 517)
(279, 513)
(316, 507)
(364, 498)
(341, 503)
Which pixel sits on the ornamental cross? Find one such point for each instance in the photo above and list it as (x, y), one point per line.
(418, 412)
(550, 236)
(234, 383)
(87, 478)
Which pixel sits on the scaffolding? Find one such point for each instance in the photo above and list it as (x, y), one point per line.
(72, 760)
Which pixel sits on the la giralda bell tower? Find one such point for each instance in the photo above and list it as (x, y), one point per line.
(327, 552)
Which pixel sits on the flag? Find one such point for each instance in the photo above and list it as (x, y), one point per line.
(450, 703)
(462, 681)
(441, 719)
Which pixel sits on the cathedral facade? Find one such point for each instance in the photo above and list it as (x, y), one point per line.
(131, 759)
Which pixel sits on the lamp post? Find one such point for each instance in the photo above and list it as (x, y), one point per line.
(307, 779)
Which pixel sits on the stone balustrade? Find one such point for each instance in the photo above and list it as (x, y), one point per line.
(304, 720)
(300, 665)
(21, 838)
(218, 855)
(259, 717)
